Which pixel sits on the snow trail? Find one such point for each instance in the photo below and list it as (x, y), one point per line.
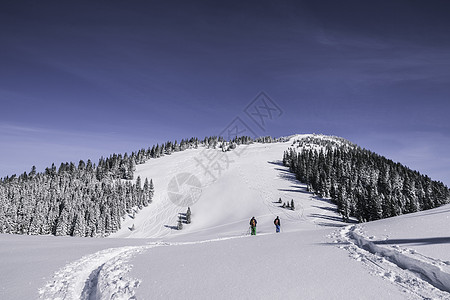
(103, 275)
(82, 278)
(418, 277)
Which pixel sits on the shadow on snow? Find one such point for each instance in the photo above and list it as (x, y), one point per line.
(419, 241)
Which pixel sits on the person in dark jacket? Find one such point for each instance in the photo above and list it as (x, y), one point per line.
(253, 225)
(277, 224)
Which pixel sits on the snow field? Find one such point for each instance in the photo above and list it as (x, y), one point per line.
(293, 265)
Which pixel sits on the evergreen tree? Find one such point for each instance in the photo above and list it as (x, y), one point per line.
(180, 223)
(188, 216)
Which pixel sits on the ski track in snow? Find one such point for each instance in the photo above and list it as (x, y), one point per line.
(102, 275)
(91, 276)
(419, 276)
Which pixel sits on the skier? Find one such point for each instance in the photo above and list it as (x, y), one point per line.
(253, 225)
(277, 224)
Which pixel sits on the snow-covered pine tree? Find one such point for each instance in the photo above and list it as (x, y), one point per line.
(151, 191)
(146, 193)
(188, 216)
(180, 223)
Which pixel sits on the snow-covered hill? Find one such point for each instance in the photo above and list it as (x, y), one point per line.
(235, 186)
(316, 256)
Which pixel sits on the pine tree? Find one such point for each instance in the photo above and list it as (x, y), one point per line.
(188, 216)
(180, 223)
(146, 193)
(79, 227)
(33, 172)
(151, 190)
(62, 224)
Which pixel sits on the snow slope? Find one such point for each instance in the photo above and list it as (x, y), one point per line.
(316, 256)
(252, 178)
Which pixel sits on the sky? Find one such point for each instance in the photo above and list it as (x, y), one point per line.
(85, 79)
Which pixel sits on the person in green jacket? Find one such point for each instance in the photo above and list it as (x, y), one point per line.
(253, 225)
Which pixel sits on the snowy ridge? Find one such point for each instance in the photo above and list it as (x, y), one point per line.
(417, 276)
(318, 142)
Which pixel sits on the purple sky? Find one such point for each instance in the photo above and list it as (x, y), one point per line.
(80, 80)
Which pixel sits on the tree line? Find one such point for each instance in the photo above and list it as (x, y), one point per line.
(363, 184)
(86, 199)
(69, 201)
(80, 200)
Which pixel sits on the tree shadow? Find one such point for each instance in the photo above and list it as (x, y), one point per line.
(332, 209)
(292, 191)
(283, 170)
(318, 198)
(276, 163)
(332, 218)
(295, 188)
(420, 241)
(289, 177)
(331, 224)
(326, 217)
(171, 227)
(132, 213)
